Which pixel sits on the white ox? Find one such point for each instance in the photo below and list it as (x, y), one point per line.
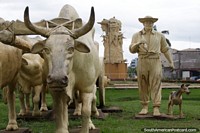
(30, 77)
(73, 64)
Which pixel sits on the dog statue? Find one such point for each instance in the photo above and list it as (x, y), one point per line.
(175, 98)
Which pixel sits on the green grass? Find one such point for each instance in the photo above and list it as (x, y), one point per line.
(124, 122)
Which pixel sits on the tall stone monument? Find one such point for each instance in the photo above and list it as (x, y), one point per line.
(115, 66)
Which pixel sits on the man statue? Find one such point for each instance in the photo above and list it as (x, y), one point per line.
(149, 44)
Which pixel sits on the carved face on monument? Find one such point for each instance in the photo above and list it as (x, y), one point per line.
(104, 27)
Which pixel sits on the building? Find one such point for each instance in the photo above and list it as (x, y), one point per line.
(166, 70)
(186, 63)
(134, 63)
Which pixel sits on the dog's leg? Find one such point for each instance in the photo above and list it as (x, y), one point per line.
(180, 111)
(168, 111)
(170, 108)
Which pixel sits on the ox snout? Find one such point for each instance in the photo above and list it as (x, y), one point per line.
(57, 83)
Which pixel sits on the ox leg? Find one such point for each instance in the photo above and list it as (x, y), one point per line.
(28, 103)
(12, 123)
(101, 91)
(44, 105)
(60, 100)
(36, 99)
(78, 105)
(86, 112)
(95, 111)
(22, 104)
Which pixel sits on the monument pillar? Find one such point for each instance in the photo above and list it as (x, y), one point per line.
(115, 66)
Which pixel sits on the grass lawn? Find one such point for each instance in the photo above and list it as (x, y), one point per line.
(128, 100)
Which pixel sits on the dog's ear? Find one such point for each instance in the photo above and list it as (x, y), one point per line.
(187, 85)
(182, 85)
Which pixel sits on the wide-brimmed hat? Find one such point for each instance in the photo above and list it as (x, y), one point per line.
(147, 18)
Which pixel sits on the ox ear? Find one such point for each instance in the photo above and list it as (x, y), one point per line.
(24, 61)
(81, 47)
(37, 47)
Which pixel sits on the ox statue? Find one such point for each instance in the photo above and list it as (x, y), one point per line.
(73, 65)
(30, 77)
(10, 63)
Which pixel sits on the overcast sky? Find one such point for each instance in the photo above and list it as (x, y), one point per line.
(180, 17)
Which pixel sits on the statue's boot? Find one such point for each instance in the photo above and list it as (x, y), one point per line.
(144, 110)
(156, 111)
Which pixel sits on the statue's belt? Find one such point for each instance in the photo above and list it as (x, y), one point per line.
(149, 55)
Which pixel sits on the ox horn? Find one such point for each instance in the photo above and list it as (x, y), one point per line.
(37, 29)
(86, 28)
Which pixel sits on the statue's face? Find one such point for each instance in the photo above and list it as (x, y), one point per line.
(148, 25)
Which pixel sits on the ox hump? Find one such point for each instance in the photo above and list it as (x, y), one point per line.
(68, 12)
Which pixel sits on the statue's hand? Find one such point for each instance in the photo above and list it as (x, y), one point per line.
(6, 37)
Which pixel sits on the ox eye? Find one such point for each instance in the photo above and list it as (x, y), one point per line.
(70, 50)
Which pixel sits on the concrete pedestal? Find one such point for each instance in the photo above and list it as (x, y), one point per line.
(116, 71)
(161, 117)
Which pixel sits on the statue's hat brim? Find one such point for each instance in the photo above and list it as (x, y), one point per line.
(148, 18)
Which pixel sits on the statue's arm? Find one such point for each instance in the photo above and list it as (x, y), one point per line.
(166, 51)
(134, 46)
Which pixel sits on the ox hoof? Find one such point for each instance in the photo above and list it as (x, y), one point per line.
(12, 126)
(43, 109)
(21, 113)
(91, 125)
(78, 113)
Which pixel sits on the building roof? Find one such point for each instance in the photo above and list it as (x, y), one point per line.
(191, 49)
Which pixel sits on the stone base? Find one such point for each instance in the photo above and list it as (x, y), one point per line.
(20, 130)
(161, 117)
(101, 115)
(77, 130)
(44, 115)
(112, 109)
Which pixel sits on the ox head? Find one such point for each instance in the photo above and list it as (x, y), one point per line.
(58, 49)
